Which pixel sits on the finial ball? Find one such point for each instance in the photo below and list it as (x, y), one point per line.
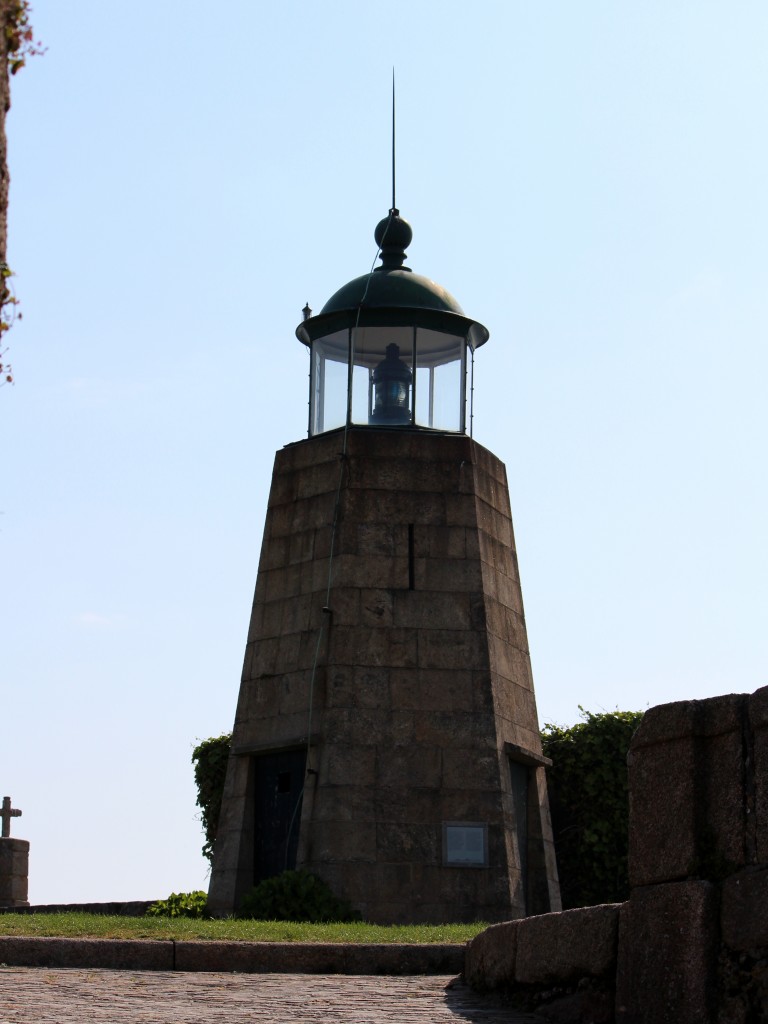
(393, 232)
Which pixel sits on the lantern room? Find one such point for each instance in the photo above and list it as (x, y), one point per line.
(391, 348)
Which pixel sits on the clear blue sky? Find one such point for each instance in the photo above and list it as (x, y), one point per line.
(589, 180)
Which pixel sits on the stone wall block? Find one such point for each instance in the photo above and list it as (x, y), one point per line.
(309, 452)
(283, 489)
(389, 507)
(294, 691)
(348, 725)
(349, 762)
(485, 768)
(561, 948)
(13, 890)
(744, 910)
(489, 962)
(376, 607)
(405, 804)
(758, 724)
(432, 690)
(279, 584)
(451, 648)
(14, 856)
(406, 842)
(668, 945)
(380, 571)
(274, 552)
(377, 539)
(450, 575)
(497, 554)
(494, 522)
(493, 492)
(315, 480)
(468, 804)
(441, 542)
(448, 728)
(410, 767)
(14, 887)
(431, 609)
(687, 812)
(387, 475)
(345, 803)
(393, 648)
(662, 827)
(503, 588)
(301, 546)
(348, 687)
(511, 663)
(112, 954)
(459, 510)
(301, 514)
(335, 841)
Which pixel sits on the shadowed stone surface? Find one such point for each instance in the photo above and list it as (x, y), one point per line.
(243, 957)
(318, 958)
(490, 957)
(692, 950)
(668, 955)
(744, 910)
(14, 871)
(34, 951)
(560, 948)
(758, 721)
(687, 793)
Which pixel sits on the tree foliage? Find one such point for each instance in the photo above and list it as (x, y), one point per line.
(589, 803)
(17, 43)
(210, 760)
(19, 36)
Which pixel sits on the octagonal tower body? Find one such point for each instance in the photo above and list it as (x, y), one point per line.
(386, 735)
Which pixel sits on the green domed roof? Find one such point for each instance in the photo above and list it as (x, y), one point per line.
(392, 287)
(392, 295)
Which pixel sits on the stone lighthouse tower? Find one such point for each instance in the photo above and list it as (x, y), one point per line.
(386, 735)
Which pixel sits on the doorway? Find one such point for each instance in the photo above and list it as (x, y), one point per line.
(279, 787)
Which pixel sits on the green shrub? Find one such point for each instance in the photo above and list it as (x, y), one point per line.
(295, 896)
(210, 760)
(589, 803)
(181, 904)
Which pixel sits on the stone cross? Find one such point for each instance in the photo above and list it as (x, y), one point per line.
(6, 814)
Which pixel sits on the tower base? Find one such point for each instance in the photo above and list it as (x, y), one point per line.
(386, 735)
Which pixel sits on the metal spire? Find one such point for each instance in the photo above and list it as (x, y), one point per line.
(394, 204)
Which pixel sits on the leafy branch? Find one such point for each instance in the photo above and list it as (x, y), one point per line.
(8, 313)
(20, 40)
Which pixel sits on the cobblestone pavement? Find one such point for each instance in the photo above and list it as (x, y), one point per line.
(39, 995)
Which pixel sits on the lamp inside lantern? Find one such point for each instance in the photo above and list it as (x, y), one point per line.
(392, 381)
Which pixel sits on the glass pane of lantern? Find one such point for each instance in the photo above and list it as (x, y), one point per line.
(448, 402)
(382, 375)
(328, 394)
(361, 384)
(440, 380)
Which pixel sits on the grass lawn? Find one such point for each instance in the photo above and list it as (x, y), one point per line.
(101, 926)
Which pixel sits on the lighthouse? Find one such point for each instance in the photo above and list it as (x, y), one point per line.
(386, 735)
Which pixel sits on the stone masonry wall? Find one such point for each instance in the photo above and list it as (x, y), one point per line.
(14, 872)
(691, 943)
(422, 692)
